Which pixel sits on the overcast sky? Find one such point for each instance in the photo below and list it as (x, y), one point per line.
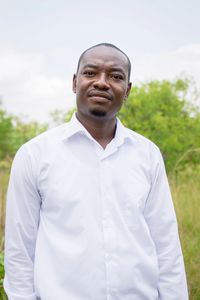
(41, 41)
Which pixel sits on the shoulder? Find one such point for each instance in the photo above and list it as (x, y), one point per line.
(148, 152)
(40, 150)
(44, 144)
(146, 148)
(141, 141)
(48, 138)
(51, 135)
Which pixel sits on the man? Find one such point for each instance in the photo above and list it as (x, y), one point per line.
(89, 212)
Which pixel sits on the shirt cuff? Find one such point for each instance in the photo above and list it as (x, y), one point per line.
(12, 296)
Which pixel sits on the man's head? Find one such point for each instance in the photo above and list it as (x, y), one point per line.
(111, 46)
(102, 82)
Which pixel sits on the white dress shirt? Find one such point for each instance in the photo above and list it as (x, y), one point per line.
(84, 223)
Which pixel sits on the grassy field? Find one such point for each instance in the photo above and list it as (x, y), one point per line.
(186, 194)
(185, 188)
(4, 172)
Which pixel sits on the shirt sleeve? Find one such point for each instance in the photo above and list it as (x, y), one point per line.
(22, 220)
(161, 219)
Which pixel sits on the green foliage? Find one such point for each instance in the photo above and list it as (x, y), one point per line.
(6, 128)
(160, 111)
(22, 132)
(14, 132)
(2, 293)
(1, 269)
(59, 117)
(185, 190)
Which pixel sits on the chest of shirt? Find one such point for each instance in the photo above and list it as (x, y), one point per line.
(75, 182)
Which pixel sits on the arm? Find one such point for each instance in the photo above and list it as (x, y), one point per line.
(161, 219)
(22, 219)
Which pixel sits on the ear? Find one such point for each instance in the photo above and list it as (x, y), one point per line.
(74, 84)
(128, 90)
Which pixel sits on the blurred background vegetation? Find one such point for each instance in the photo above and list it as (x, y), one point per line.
(168, 113)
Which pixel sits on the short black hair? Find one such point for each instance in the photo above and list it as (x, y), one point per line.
(106, 45)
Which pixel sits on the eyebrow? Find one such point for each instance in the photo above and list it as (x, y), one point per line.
(118, 70)
(90, 66)
(115, 69)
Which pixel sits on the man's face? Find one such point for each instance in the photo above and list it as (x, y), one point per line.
(101, 83)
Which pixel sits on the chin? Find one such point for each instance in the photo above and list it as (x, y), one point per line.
(98, 113)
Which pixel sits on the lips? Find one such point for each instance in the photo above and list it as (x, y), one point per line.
(100, 95)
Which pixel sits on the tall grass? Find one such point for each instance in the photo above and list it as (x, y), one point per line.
(185, 187)
(4, 174)
(186, 194)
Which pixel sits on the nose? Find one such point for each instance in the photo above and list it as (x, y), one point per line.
(101, 82)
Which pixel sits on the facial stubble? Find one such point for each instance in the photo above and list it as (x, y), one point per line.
(97, 112)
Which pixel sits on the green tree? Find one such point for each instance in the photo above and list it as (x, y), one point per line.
(160, 111)
(59, 116)
(24, 131)
(14, 132)
(6, 130)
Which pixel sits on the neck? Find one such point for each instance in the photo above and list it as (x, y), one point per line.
(103, 131)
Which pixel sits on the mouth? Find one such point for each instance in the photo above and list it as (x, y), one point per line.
(101, 96)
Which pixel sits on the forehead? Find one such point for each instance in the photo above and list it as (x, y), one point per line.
(105, 56)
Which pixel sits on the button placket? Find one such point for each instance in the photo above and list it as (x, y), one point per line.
(108, 231)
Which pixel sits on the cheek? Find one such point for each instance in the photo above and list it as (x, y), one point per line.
(82, 89)
(121, 93)
(80, 92)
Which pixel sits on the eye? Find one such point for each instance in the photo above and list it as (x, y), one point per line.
(88, 73)
(117, 76)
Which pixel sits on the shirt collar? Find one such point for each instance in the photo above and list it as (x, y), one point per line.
(74, 127)
(122, 134)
